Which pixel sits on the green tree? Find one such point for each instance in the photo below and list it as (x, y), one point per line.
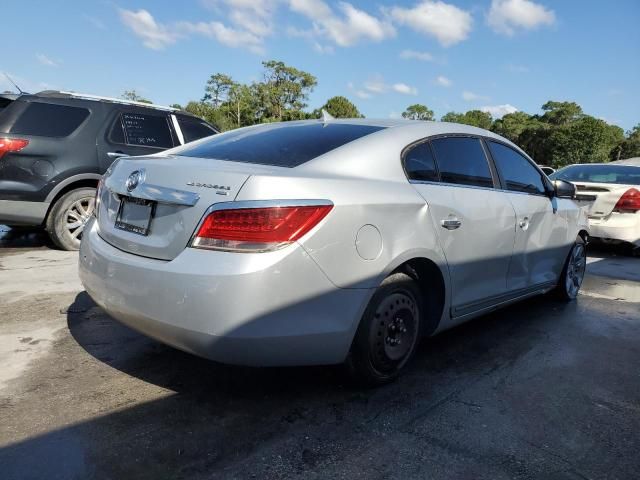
(478, 118)
(176, 106)
(284, 92)
(133, 96)
(561, 113)
(338, 107)
(630, 146)
(418, 112)
(475, 118)
(453, 117)
(512, 125)
(217, 89)
(586, 140)
(241, 106)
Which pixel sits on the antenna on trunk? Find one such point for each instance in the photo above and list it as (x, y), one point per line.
(326, 116)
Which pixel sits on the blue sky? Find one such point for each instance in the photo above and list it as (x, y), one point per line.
(450, 55)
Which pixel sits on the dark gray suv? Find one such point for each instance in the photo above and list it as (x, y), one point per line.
(54, 147)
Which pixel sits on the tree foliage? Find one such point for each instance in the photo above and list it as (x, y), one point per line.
(338, 107)
(475, 118)
(418, 112)
(560, 135)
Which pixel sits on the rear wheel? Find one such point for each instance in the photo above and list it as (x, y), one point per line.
(388, 332)
(69, 215)
(573, 272)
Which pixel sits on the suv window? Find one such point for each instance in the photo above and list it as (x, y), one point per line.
(419, 163)
(193, 129)
(516, 171)
(461, 160)
(49, 120)
(142, 130)
(282, 145)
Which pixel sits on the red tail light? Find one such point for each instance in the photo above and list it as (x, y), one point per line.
(258, 229)
(8, 145)
(629, 201)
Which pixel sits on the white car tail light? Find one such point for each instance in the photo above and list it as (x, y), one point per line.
(258, 229)
(629, 201)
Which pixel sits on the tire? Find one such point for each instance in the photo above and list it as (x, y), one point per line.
(68, 216)
(388, 333)
(573, 272)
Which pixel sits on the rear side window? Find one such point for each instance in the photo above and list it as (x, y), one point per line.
(194, 129)
(461, 160)
(419, 163)
(282, 145)
(142, 130)
(516, 171)
(49, 120)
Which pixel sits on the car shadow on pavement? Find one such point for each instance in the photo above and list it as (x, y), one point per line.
(24, 237)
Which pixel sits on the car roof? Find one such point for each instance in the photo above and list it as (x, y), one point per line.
(422, 128)
(97, 98)
(635, 161)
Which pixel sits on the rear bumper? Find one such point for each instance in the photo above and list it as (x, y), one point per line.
(14, 212)
(263, 309)
(624, 227)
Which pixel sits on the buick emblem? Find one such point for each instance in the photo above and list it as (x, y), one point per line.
(136, 178)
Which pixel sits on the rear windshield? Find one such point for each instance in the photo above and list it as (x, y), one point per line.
(4, 102)
(616, 174)
(282, 145)
(49, 120)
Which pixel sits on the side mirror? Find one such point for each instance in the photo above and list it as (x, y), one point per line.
(564, 189)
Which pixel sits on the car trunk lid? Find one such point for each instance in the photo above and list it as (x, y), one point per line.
(599, 199)
(175, 191)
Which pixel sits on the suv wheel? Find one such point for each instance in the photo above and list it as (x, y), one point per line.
(573, 272)
(388, 332)
(69, 215)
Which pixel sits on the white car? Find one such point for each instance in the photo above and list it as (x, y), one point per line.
(610, 193)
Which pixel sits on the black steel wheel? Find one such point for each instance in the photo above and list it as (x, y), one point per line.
(388, 332)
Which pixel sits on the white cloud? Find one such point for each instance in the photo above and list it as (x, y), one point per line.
(344, 30)
(226, 35)
(362, 94)
(505, 16)
(375, 85)
(471, 97)
(404, 89)
(322, 49)
(253, 16)
(415, 55)
(158, 36)
(443, 81)
(46, 61)
(497, 111)
(447, 23)
(154, 35)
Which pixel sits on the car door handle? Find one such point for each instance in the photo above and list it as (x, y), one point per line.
(116, 154)
(451, 223)
(524, 223)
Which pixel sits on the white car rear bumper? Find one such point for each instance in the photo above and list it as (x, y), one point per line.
(264, 309)
(624, 227)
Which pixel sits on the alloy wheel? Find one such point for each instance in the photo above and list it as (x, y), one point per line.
(575, 270)
(77, 216)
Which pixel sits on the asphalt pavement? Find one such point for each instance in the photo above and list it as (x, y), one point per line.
(541, 389)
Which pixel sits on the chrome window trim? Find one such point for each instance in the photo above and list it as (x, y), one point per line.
(245, 204)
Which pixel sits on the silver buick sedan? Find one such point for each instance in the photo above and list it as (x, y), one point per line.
(329, 241)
